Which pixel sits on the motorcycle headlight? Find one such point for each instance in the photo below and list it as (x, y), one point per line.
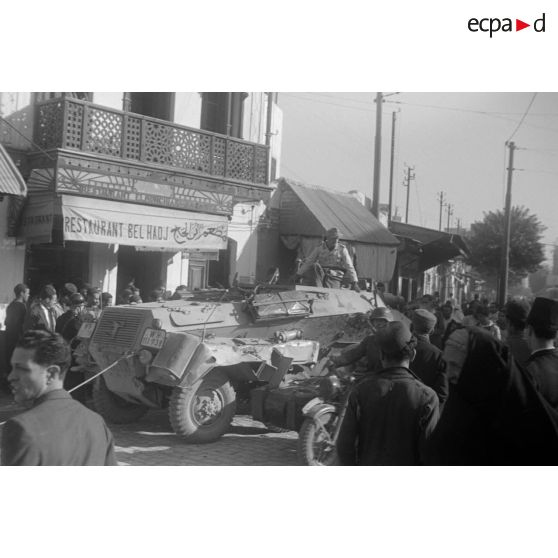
(330, 386)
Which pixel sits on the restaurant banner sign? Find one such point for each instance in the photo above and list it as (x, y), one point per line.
(92, 220)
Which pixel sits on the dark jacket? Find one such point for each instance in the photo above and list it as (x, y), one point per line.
(543, 368)
(57, 431)
(368, 348)
(389, 416)
(519, 347)
(15, 318)
(494, 415)
(36, 319)
(430, 367)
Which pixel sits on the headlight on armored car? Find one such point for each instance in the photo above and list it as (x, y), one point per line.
(330, 386)
(145, 357)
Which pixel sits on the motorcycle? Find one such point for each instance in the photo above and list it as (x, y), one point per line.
(323, 417)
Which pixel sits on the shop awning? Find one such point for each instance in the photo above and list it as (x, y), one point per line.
(431, 247)
(11, 181)
(109, 222)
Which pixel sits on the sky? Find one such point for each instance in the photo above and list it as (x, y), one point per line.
(456, 143)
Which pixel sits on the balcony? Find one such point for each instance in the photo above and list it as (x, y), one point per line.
(76, 125)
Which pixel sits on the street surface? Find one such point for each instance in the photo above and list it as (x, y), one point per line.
(151, 441)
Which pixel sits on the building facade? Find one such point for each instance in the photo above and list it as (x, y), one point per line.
(161, 188)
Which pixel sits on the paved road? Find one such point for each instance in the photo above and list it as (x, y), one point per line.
(151, 441)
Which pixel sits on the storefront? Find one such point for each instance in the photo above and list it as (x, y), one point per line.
(107, 243)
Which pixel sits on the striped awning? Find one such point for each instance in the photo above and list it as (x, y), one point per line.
(11, 181)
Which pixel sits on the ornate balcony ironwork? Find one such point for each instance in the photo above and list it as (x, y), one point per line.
(78, 125)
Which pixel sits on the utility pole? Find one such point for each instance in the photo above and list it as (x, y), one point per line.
(407, 184)
(268, 135)
(441, 200)
(504, 268)
(450, 213)
(377, 157)
(391, 166)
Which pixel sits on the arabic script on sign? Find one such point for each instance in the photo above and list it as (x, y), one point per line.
(195, 231)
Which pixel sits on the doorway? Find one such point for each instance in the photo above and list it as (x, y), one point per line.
(145, 268)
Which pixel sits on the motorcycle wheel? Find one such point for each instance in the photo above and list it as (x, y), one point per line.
(313, 448)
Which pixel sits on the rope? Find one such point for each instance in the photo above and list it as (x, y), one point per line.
(124, 357)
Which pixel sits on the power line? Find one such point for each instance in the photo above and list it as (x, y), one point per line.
(524, 116)
(327, 102)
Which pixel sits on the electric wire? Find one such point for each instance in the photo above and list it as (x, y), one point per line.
(524, 116)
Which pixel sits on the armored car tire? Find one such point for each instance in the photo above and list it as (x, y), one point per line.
(314, 442)
(113, 408)
(205, 413)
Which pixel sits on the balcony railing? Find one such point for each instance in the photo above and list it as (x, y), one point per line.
(83, 126)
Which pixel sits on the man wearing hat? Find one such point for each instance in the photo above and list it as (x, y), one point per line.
(368, 347)
(329, 264)
(542, 326)
(429, 364)
(389, 414)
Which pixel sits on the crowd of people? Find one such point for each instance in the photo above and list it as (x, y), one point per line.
(462, 385)
(468, 384)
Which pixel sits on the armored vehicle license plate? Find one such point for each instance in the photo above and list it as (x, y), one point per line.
(153, 338)
(86, 330)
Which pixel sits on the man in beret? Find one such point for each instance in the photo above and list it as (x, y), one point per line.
(378, 319)
(390, 414)
(429, 364)
(516, 312)
(542, 326)
(329, 264)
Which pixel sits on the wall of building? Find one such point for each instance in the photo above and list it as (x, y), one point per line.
(103, 267)
(177, 271)
(187, 109)
(243, 230)
(112, 100)
(12, 260)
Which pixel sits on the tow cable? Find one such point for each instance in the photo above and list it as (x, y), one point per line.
(123, 357)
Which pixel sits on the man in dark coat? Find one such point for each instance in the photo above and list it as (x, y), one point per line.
(368, 347)
(516, 312)
(494, 415)
(15, 318)
(429, 364)
(57, 430)
(391, 413)
(542, 326)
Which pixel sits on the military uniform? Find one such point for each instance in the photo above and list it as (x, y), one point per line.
(389, 416)
(368, 348)
(338, 259)
(57, 431)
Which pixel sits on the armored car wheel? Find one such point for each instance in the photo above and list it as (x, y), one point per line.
(205, 413)
(315, 446)
(113, 408)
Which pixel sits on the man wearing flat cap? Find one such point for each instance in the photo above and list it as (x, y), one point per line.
(390, 414)
(429, 364)
(329, 264)
(542, 327)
